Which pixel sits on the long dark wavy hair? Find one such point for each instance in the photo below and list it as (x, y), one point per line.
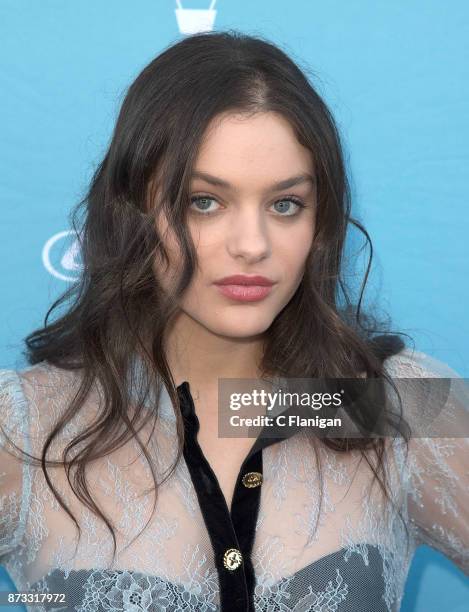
(118, 308)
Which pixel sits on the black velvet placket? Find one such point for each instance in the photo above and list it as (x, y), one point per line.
(227, 530)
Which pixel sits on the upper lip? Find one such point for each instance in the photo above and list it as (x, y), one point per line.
(243, 279)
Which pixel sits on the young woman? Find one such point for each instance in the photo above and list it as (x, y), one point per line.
(224, 162)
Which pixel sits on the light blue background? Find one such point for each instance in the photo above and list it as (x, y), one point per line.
(395, 75)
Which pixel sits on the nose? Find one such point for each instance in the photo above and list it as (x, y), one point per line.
(248, 236)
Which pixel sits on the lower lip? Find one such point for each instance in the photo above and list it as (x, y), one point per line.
(245, 293)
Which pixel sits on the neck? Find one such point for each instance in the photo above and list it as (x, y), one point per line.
(201, 357)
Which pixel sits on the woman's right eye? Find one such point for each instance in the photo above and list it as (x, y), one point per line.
(205, 201)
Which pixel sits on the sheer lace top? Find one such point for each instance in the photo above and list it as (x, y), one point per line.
(346, 553)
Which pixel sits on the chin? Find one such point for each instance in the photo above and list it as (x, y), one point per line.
(244, 328)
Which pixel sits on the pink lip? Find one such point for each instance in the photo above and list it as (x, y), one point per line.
(242, 279)
(245, 293)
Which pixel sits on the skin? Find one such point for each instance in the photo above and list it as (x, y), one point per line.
(213, 336)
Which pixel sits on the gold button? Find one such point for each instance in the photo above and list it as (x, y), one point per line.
(252, 479)
(232, 558)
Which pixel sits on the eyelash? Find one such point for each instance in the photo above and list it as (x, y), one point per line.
(203, 196)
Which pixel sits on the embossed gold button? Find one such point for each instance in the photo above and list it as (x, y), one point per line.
(252, 479)
(232, 558)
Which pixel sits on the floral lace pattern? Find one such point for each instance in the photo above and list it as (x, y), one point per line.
(307, 556)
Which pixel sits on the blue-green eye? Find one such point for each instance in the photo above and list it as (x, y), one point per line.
(295, 201)
(205, 200)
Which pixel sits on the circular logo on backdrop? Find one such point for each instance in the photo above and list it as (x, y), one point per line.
(61, 256)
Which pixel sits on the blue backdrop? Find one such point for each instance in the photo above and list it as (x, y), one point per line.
(395, 75)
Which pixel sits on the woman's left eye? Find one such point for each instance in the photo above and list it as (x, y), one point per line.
(205, 198)
(296, 201)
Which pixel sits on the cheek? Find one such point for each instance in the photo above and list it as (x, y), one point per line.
(169, 273)
(293, 247)
(208, 236)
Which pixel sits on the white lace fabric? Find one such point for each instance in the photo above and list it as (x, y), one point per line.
(170, 565)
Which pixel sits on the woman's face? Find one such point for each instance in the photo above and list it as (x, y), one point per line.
(247, 225)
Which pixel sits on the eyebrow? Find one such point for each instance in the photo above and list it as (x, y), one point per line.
(278, 186)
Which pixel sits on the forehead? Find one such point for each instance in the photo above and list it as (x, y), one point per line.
(252, 148)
